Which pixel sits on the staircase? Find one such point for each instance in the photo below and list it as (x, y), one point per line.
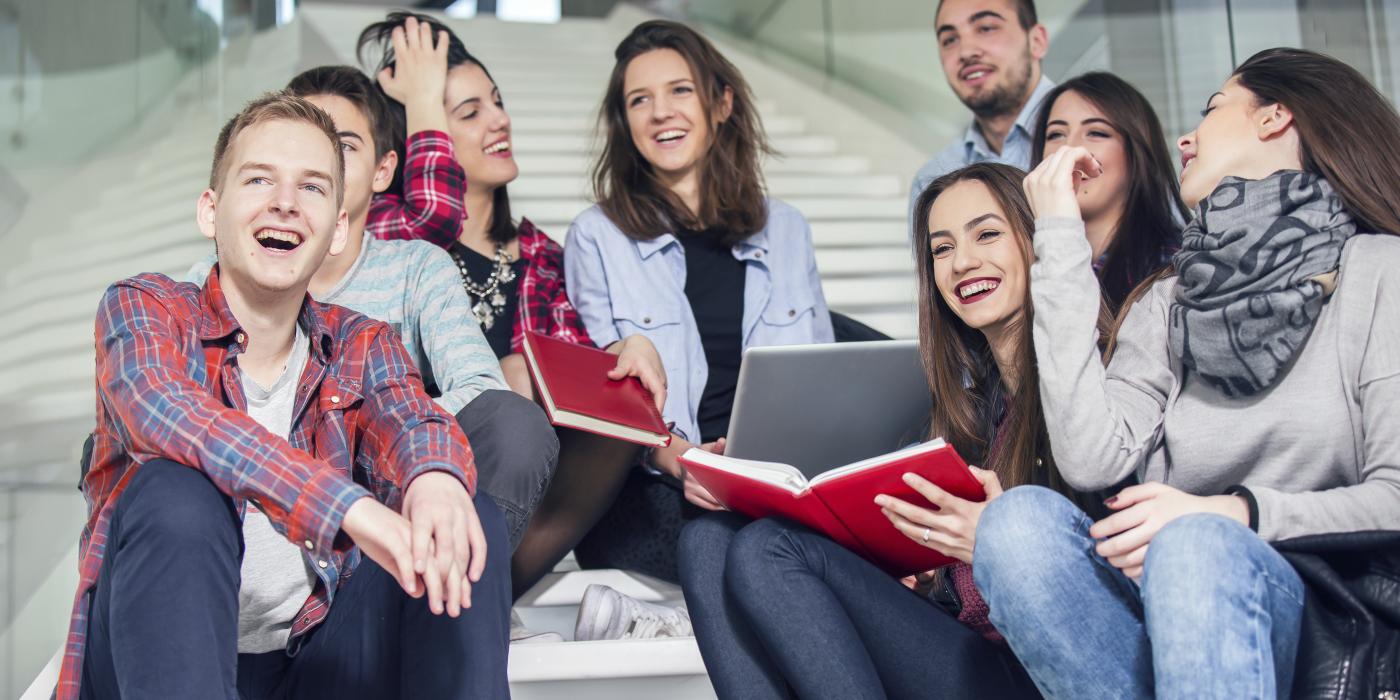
(136, 215)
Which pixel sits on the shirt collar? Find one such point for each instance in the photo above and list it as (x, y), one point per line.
(743, 250)
(1025, 121)
(217, 320)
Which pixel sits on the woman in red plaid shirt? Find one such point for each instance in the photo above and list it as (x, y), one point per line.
(514, 273)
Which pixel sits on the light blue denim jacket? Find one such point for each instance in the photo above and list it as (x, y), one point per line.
(623, 286)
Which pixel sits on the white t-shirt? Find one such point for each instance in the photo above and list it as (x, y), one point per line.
(277, 579)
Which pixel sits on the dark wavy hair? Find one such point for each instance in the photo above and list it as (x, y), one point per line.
(626, 186)
(375, 41)
(1149, 230)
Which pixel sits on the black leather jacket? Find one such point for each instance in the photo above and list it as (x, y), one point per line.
(1350, 645)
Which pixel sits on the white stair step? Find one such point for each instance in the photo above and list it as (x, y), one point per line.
(857, 292)
(532, 164)
(888, 260)
(898, 324)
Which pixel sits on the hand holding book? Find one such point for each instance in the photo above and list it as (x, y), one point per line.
(952, 529)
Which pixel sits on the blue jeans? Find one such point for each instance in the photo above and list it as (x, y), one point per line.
(164, 615)
(780, 611)
(1218, 612)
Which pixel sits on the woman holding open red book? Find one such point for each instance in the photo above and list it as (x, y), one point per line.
(767, 597)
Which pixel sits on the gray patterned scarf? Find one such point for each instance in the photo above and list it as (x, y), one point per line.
(1255, 266)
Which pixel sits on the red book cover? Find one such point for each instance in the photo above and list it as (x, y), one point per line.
(840, 503)
(572, 382)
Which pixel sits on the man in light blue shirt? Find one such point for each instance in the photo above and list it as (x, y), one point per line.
(991, 52)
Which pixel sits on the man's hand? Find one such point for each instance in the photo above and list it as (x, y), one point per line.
(385, 537)
(1143, 510)
(419, 76)
(637, 357)
(448, 544)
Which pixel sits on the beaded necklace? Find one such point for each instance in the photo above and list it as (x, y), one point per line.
(487, 300)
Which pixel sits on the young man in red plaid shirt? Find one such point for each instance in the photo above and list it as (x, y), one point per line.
(255, 448)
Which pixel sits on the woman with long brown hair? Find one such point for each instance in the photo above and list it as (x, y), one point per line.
(769, 597)
(684, 248)
(1133, 208)
(1254, 391)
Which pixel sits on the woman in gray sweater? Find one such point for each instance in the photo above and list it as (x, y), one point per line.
(1254, 393)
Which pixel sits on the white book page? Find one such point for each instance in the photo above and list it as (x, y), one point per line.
(780, 475)
(897, 455)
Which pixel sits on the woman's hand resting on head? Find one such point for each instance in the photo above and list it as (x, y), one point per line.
(952, 529)
(1053, 187)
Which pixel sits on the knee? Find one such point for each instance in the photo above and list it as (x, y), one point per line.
(704, 543)
(758, 552)
(511, 437)
(177, 507)
(1025, 532)
(1198, 548)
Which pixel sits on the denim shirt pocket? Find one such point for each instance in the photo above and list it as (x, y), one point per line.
(788, 307)
(648, 317)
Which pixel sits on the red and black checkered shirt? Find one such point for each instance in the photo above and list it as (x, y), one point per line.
(168, 387)
(431, 207)
(544, 305)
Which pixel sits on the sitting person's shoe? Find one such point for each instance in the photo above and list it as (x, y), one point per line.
(608, 614)
(519, 634)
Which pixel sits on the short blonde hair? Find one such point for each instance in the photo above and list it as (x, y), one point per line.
(271, 107)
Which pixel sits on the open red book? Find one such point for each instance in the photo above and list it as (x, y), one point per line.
(572, 382)
(840, 503)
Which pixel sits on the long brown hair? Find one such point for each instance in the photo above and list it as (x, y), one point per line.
(1348, 133)
(962, 374)
(731, 182)
(1148, 230)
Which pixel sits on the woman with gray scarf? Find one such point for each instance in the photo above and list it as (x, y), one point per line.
(1254, 393)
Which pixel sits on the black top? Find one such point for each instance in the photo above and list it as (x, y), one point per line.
(714, 286)
(480, 267)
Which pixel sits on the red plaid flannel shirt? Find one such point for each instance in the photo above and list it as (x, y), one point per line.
(544, 306)
(431, 207)
(168, 386)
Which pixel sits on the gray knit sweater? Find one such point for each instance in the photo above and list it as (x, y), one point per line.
(1320, 450)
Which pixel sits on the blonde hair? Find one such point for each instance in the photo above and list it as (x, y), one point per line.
(271, 107)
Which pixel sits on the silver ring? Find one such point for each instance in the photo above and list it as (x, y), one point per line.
(926, 534)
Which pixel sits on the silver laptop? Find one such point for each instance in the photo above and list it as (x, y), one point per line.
(821, 406)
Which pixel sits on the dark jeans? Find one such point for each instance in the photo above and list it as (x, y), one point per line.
(780, 611)
(516, 450)
(164, 614)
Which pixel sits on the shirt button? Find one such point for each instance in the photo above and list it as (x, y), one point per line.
(646, 319)
(309, 545)
(792, 312)
(758, 255)
(323, 563)
(335, 399)
(241, 338)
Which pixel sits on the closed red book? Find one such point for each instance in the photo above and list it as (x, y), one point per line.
(572, 383)
(840, 502)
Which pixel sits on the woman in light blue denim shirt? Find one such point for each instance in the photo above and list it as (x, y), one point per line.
(679, 175)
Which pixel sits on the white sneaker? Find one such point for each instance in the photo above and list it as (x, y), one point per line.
(608, 614)
(519, 634)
